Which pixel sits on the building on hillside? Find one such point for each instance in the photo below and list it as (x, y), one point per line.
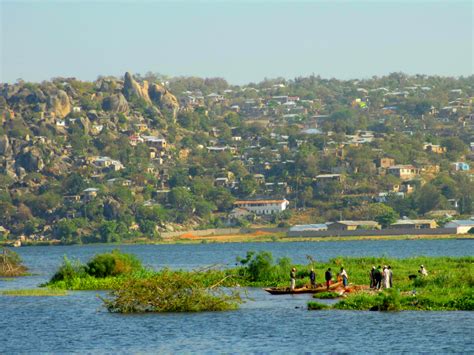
(353, 225)
(324, 178)
(404, 172)
(384, 162)
(434, 148)
(462, 226)
(90, 193)
(154, 141)
(414, 224)
(460, 166)
(263, 207)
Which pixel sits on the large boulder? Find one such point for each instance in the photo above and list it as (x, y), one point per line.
(5, 148)
(30, 160)
(164, 99)
(131, 88)
(115, 103)
(111, 209)
(59, 104)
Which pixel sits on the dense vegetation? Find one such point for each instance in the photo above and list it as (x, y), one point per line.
(53, 134)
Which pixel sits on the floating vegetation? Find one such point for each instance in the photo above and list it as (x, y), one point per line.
(326, 295)
(10, 264)
(36, 292)
(316, 306)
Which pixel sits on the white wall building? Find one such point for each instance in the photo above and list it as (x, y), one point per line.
(263, 207)
(462, 226)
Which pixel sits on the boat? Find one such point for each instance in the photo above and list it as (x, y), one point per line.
(287, 291)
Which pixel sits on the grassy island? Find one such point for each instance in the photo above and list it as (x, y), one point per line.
(448, 286)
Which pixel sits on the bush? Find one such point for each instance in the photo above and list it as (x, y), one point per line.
(70, 269)
(112, 264)
(169, 291)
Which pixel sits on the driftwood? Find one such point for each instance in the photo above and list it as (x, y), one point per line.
(10, 264)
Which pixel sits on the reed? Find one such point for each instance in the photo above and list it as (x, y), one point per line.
(36, 292)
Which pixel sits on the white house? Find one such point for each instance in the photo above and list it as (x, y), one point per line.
(263, 207)
(462, 226)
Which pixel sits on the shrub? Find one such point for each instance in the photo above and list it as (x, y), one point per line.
(112, 264)
(169, 291)
(70, 269)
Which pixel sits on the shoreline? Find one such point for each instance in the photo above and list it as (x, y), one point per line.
(252, 238)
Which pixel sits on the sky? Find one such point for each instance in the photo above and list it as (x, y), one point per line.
(241, 41)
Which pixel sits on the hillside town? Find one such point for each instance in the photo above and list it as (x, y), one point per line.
(126, 158)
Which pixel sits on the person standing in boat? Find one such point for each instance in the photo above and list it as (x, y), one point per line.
(312, 278)
(344, 277)
(293, 279)
(328, 277)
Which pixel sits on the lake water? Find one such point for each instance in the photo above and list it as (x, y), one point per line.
(281, 324)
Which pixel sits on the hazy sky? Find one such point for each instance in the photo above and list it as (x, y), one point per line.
(241, 41)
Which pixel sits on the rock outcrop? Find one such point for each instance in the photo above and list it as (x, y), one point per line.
(59, 104)
(5, 148)
(115, 103)
(164, 99)
(31, 160)
(131, 89)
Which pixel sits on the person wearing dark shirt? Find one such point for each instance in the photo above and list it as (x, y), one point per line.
(312, 277)
(378, 278)
(372, 277)
(328, 277)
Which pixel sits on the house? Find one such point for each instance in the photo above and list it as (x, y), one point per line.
(238, 213)
(460, 166)
(259, 178)
(263, 207)
(404, 172)
(221, 181)
(135, 139)
(414, 224)
(72, 198)
(154, 141)
(353, 225)
(90, 192)
(323, 178)
(434, 148)
(106, 162)
(462, 226)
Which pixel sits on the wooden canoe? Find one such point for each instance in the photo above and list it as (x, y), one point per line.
(287, 291)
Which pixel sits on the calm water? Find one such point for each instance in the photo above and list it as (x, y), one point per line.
(266, 324)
